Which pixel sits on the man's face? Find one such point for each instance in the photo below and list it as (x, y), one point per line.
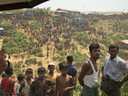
(113, 52)
(29, 75)
(95, 53)
(41, 75)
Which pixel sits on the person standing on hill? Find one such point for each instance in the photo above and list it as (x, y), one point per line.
(88, 77)
(114, 68)
(72, 71)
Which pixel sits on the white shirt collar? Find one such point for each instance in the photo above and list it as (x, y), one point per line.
(115, 59)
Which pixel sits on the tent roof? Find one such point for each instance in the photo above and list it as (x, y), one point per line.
(18, 4)
(125, 41)
(1, 28)
(109, 14)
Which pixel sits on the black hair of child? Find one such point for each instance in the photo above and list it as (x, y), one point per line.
(4, 75)
(9, 69)
(63, 65)
(41, 69)
(29, 70)
(20, 77)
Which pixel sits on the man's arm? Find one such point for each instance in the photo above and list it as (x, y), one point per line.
(83, 72)
(12, 83)
(57, 83)
(76, 77)
(32, 89)
(21, 88)
(125, 68)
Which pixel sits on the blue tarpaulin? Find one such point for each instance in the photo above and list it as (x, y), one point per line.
(30, 12)
(78, 20)
(82, 21)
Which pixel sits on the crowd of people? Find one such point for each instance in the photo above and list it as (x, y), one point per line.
(53, 84)
(52, 29)
(64, 84)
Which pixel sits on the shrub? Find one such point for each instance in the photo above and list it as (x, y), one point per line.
(23, 66)
(40, 54)
(63, 53)
(40, 63)
(5, 40)
(39, 49)
(62, 59)
(18, 65)
(54, 58)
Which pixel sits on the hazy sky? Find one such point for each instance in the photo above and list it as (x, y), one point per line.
(89, 5)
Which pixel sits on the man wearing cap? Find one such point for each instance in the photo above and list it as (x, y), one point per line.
(51, 75)
(72, 70)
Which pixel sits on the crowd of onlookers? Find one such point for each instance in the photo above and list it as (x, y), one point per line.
(63, 84)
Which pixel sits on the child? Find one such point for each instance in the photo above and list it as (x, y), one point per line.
(7, 85)
(25, 85)
(40, 86)
(3, 75)
(63, 81)
(20, 79)
(51, 75)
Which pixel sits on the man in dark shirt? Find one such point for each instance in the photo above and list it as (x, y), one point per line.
(72, 70)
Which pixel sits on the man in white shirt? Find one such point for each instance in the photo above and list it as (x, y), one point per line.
(114, 68)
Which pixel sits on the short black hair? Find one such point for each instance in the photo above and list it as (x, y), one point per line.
(9, 69)
(70, 58)
(29, 70)
(63, 65)
(93, 46)
(20, 77)
(41, 69)
(114, 46)
(4, 75)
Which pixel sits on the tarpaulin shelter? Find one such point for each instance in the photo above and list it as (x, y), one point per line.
(106, 14)
(1, 30)
(30, 12)
(78, 20)
(18, 4)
